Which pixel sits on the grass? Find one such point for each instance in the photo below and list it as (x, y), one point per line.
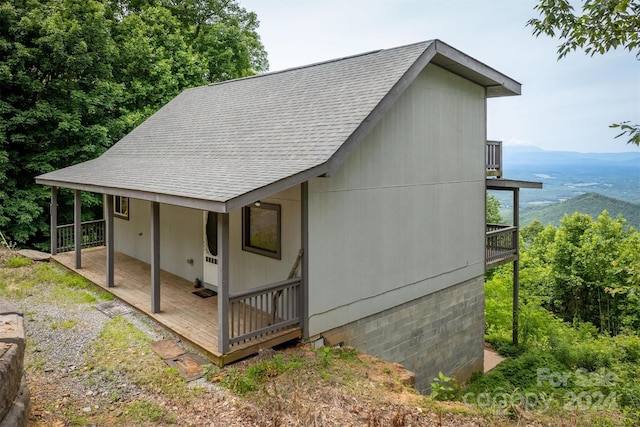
(256, 375)
(140, 411)
(122, 349)
(66, 324)
(17, 262)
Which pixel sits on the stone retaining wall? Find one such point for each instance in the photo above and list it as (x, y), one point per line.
(14, 393)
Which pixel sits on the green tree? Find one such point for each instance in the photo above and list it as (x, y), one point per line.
(154, 64)
(603, 25)
(76, 76)
(587, 281)
(226, 36)
(493, 210)
(58, 98)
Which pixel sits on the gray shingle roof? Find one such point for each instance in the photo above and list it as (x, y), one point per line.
(219, 142)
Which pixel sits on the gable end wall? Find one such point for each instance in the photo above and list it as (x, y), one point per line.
(402, 220)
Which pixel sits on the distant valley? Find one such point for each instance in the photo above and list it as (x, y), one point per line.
(591, 204)
(566, 175)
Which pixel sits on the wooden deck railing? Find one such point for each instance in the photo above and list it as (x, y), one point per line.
(92, 235)
(493, 158)
(501, 243)
(262, 311)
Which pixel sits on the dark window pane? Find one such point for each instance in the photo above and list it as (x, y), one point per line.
(212, 233)
(261, 229)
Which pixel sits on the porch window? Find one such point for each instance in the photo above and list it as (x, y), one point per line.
(121, 207)
(261, 229)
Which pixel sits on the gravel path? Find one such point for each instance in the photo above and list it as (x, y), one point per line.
(58, 336)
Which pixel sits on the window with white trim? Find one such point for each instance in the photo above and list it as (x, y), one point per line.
(121, 207)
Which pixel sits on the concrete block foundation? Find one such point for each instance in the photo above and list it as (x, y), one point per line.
(442, 331)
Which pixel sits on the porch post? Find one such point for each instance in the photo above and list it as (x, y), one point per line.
(155, 257)
(108, 237)
(304, 283)
(516, 263)
(53, 209)
(77, 227)
(223, 283)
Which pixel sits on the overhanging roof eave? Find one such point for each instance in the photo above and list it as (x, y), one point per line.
(170, 199)
(193, 202)
(496, 83)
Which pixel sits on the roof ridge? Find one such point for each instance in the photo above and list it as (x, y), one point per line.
(315, 64)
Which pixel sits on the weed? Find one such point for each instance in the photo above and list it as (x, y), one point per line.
(254, 377)
(346, 353)
(16, 283)
(36, 364)
(74, 418)
(143, 410)
(444, 387)
(210, 371)
(67, 324)
(325, 354)
(17, 261)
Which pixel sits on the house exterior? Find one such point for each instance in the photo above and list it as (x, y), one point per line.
(343, 200)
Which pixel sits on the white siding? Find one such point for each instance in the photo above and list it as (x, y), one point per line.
(404, 215)
(181, 237)
(133, 237)
(247, 269)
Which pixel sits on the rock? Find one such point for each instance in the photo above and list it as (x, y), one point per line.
(18, 414)
(34, 255)
(11, 374)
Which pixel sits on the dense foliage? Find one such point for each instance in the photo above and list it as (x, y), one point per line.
(603, 25)
(493, 210)
(579, 317)
(77, 75)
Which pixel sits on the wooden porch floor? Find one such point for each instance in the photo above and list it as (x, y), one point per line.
(193, 318)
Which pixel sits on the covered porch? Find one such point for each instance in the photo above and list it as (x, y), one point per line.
(196, 319)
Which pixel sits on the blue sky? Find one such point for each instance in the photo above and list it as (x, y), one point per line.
(565, 105)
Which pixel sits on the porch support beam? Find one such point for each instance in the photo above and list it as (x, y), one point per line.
(77, 227)
(53, 209)
(223, 283)
(516, 264)
(155, 257)
(304, 236)
(108, 216)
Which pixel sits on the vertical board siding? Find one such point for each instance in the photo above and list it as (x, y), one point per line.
(404, 215)
(132, 236)
(182, 239)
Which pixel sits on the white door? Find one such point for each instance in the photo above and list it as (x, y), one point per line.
(210, 250)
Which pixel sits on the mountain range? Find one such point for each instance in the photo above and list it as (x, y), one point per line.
(591, 204)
